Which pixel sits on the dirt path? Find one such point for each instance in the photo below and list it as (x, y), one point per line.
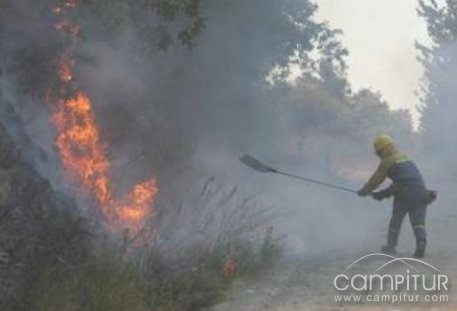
(306, 283)
(296, 284)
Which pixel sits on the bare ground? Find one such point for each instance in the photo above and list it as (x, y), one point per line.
(306, 282)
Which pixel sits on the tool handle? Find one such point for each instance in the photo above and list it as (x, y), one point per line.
(314, 181)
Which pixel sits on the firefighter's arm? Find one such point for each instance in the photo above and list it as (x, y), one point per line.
(375, 180)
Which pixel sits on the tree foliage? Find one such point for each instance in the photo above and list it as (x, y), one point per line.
(232, 86)
(158, 23)
(440, 89)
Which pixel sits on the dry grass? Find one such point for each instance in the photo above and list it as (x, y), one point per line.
(210, 241)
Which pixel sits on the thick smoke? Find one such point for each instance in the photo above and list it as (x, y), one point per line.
(187, 114)
(439, 111)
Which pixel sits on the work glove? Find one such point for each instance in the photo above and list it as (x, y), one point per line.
(378, 196)
(363, 192)
(383, 194)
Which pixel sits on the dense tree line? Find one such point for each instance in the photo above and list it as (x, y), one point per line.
(209, 71)
(439, 107)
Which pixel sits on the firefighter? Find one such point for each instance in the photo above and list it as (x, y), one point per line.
(408, 190)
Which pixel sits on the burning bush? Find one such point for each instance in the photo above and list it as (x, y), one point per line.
(190, 278)
(49, 260)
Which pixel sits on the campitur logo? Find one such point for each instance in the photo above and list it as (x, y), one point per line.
(384, 278)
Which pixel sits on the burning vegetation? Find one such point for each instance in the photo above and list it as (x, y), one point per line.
(187, 87)
(81, 150)
(196, 246)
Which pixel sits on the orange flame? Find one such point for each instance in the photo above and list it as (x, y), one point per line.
(83, 155)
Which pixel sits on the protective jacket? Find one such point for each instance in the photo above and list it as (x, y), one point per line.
(407, 182)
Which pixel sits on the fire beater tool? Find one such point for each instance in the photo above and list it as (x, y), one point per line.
(260, 167)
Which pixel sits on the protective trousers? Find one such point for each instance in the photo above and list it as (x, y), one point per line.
(416, 212)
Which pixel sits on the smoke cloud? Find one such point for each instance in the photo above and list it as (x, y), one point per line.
(185, 114)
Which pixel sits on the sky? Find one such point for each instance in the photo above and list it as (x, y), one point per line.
(380, 37)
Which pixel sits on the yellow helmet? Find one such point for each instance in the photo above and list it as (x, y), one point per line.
(381, 142)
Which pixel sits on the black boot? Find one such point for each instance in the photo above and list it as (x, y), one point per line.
(420, 249)
(392, 240)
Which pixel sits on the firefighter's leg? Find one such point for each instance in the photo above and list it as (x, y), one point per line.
(398, 213)
(417, 218)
